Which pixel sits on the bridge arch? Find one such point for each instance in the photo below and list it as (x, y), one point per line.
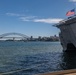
(14, 33)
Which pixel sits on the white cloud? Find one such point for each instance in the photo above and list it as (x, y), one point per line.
(27, 18)
(24, 19)
(48, 20)
(72, 0)
(14, 14)
(35, 18)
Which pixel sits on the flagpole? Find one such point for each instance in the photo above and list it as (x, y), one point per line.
(75, 12)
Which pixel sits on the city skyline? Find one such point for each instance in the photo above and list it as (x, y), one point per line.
(33, 17)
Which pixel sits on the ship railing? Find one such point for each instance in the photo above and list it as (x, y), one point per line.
(64, 21)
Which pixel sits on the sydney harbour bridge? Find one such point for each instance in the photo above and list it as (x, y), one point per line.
(13, 36)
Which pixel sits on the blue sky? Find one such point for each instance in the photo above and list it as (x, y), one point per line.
(33, 17)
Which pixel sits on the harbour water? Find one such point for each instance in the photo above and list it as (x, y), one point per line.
(29, 58)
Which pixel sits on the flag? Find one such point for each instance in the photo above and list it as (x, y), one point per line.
(71, 12)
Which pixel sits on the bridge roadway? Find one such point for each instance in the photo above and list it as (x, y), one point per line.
(12, 37)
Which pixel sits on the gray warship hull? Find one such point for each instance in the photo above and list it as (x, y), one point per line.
(68, 33)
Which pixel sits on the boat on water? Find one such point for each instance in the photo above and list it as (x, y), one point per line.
(68, 33)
